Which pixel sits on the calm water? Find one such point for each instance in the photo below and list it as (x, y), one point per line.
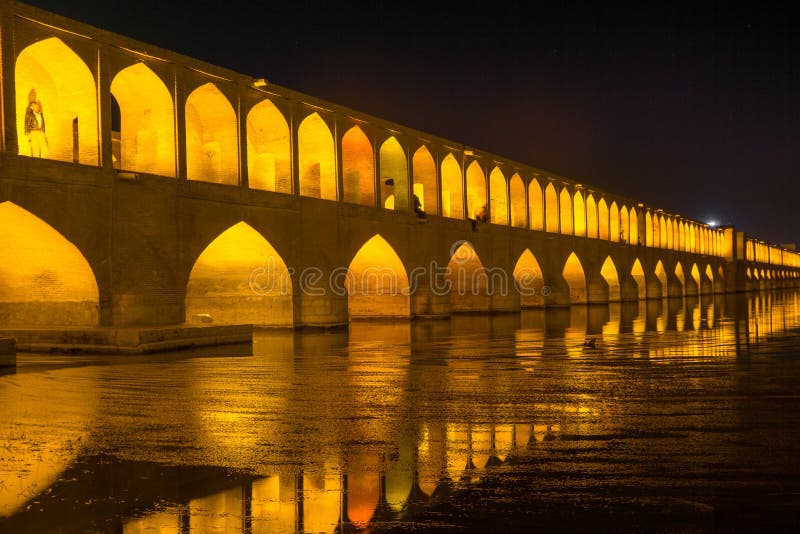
(681, 415)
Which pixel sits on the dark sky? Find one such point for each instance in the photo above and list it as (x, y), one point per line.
(693, 109)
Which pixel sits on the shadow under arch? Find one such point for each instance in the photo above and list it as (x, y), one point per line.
(468, 280)
(575, 277)
(240, 279)
(44, 279)
(529, 280)
(52, 74)
(212, 140)
(377, 282)
(269, 156)
(147, 136)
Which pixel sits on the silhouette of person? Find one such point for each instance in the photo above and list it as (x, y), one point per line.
(35, 130)
(418, 208)
(483, 214)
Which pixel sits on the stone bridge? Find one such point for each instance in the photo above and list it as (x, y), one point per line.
(142, 187)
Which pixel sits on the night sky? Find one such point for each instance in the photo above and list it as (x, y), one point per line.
(693, 109)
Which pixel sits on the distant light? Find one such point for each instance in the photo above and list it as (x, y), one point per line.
(260, 82)
(712, 224)
(468, 152)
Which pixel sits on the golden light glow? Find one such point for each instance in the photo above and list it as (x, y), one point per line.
(536, 205)
(358, 168)
(637, 272)
(614, 229)
(273, 504)
(269, 157)
(50, 73)
(45, 280)
(551, 208)
(377, 282)
(220, 512)
(212, 140)
(565, 209)
(468, 281)
(322, 498)
(452, 188)
(363, 487)
(394, 169)
(634, 227)
(240, 279)
(147, 137)
(591, 217)
(696, 275)
(681, 276)
(498, 206)
(575, 277)
(529, 279)
(317, 159)
(579, 214)
(624, 225)
(425, 179)
(609, 272)
(602, 219)
(517, 201)
(476, 189)
(661, 274)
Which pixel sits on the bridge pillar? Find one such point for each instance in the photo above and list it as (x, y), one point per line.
(629, 291)
(597, 288)
(427, 302)
(675, 287)
(323, 310)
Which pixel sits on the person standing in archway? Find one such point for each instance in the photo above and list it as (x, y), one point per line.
(35, 130)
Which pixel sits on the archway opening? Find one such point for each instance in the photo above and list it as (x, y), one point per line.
(64, 128)
(529, 280)
(696, 277)
(661, 274)
(709, 281)
(316, 159)
(394, 175)
(377, 282)
(591, 217)
(44, 279)
(579, 214)
(147, 116)
(498, 204)
(424, 169)
(269, 155)
(551, 208)
(536, 205)
(614, 229)
(609, 273)
(212, 141)
(602, 219)
(452, 200)
(565, 208)
(240, 279)
(648, 229)
(468, 280)
(634, 227)
(637, 273)
(476, 189)
(679, 274)
(624, 225)
(517, 189)
(575, 277)
(358, 168)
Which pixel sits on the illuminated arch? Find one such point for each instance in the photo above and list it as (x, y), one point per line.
(661, 274)
(565, 209)
(536, 205)
(44, 278)
(591, 217)
(602, 219)
(529, 280)
(358, 168)
(624, 225)
(692, 239)
(468, 280)
(648, 229)
(634, 227)
(710, 279)
(498, 204)
(696, 276)
(394, 174)
(681, 245)
(551, 208)
(452, 192)
(476, 189)
(517, 188)
(575, 277)
(662, 232)
(316, 158)
(425, 188)
(578, 214)
(637, 273)
(212, 147)
(681, 276)
(377, 282)
(50, 73)
(240, 279)
(609, 272)
(148, 122)
(613, 216)
(363, 488)
(269, 155)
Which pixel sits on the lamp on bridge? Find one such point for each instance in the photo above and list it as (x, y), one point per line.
(260, 83)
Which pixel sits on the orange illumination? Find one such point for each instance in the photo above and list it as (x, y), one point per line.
(565, 208)
(529, 280)
(661, 274)
(394, 170)
(579, 214)
(613, 218)
(602, 219)
(220, 512)
(551, 208)
(269, 160)
(637, 272)
(648, 229)
(452, 201)
(363, 488)
(377, 282)
(517, 201)
(468, 281)
(212, 141)
(476, 189)
(51, 74)
(609, 273)
(425, 179)
(147, 139)
(591, 217)
(634, 227)
(576, 279)
(358, 168)
(536, 206)
(317, 159)
(498, 204)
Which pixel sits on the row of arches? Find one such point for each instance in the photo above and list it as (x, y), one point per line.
(374, 171)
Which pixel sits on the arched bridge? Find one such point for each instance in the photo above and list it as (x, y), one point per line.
(142, 187)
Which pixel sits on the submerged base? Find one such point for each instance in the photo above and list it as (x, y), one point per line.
(132, 340)
(8, 352)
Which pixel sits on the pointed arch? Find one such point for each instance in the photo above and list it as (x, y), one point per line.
(424, 169)
(529, 280)
(565, 209)
(710, 279)
(468, 280)
(648, 229)
(358, 168)
(551, 208)
(44, 278)
(575, 277)
(517, 188)
(681, 276)
(240, 279)
(624, 225)
(536, 205)
(613, 216)
(52, 74)
(662, 232)
(591, 217)
(476, 189)
(212, 140)
(394, 174)
(696, 277)
(661, 274)
(316, 159)
(578, 214)
(602, 219)
(498, 203)
(452, 192)
(377, 282)
(634, 227)
(609, 273)
(269, 155)
(637, 273)
(147, 137)
(681, 241)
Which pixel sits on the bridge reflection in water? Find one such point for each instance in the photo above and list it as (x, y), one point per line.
(344, 430)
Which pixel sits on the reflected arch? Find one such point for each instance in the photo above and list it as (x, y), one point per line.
(358, 168)
(44, 278)
(212, 140)
(529, 280)
(52, 74)
(394, 175)
(269, 156)
(239, 278)
(377, 282)
(316, 159)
